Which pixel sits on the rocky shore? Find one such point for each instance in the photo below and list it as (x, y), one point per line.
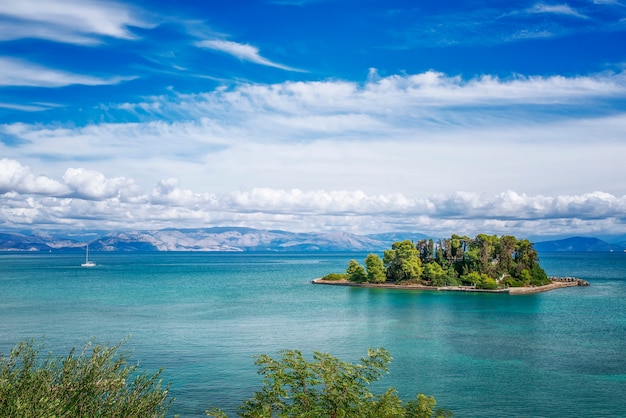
(555, 283)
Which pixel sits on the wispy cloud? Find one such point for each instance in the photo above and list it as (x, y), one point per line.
(26, 107)
(17, 72)
(397, 100)
(504, 24)
(609, 2)
(68, 21)
(558, 9)
(244, 52)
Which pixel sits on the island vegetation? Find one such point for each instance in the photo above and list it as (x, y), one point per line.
(99, 382)
(484, 262)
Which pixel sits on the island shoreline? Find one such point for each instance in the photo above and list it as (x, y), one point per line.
(555, 283)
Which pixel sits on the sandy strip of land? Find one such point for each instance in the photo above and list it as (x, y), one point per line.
(551, 286)
(511, 290)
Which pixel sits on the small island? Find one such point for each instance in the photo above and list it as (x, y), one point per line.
(487, 263)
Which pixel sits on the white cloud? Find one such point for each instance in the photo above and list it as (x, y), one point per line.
(244, 52)
(25, 107)
(559, 9)
(14, 177)
(396, 96)
(349, 136)
(96, 202)
(68, 21)
(167, 192)
(90, 184)
(17, 72)
(393, 153)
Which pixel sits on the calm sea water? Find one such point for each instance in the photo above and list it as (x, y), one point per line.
(203, 316)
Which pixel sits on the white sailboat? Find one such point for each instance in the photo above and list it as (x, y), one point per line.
(88, 263)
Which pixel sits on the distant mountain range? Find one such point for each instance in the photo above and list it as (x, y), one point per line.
(243, 239)
(579, 244)
(205, 239)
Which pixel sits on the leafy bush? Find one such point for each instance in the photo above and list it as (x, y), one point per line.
(335, 276)
(511, 282)
(453, 281)
(538, 276)
(480, 280)
(487, 283)
(97, 382)
(328, 387)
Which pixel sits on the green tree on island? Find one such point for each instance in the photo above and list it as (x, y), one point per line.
(435, 274)
(356, 272)
(403, 262)
(376, 272)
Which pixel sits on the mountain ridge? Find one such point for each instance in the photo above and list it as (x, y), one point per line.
(578, 244)
(242, 239)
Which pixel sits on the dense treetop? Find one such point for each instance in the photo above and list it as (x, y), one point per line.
(486, 262)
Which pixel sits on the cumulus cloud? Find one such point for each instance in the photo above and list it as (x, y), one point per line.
(93, 185)
(14, 177)
(503, 206)
(244, 52)
(513, 206)
(89, 199)
(338, 202)
(80, 22)
(167, 192)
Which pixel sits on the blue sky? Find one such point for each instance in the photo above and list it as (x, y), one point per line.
(306, 115)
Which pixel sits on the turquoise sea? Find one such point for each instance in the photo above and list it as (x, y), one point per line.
(203, 316)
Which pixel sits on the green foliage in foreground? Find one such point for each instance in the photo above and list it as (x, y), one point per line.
(97, 382)
(328, 387)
